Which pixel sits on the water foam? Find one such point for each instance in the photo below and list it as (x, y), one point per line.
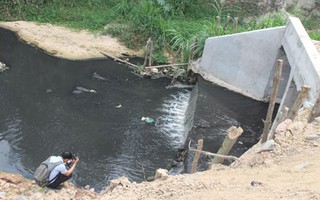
(177, 117)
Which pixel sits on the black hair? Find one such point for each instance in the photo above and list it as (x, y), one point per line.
(66, 155)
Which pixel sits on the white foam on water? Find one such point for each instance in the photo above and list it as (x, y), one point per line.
(172, 122)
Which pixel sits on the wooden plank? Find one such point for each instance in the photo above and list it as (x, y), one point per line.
(197, 156)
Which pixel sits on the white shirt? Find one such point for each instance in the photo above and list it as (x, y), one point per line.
(58, 169)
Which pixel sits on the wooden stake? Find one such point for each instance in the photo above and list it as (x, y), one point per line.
(282, 116)
(172, 65)
(315, 110)
(275, 86)
(255, 23)
(235, 24)
(197, 156)
(119, 60)
(303, 94)
(218, 20)
(191, 52)
(177, 53)
(213, 154)
(232, 135)
(148, 56)
(227, 22)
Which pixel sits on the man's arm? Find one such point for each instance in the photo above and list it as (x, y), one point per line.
(69, 172)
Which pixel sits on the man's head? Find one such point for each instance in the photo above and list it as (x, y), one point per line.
(66, 155)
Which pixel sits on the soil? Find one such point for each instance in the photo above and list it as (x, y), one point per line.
(66, 43)
(288, 169)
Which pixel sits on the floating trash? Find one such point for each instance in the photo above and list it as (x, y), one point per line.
(95, 75)
(147, 119)
(80, 90)
(3, 67)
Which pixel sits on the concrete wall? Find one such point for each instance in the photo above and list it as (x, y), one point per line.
(242, 62)
(245, 62)
(303, 57)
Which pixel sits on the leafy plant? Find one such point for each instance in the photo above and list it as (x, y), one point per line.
(138, 69)
(220, 9)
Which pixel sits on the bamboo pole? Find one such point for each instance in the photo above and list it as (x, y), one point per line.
(232, 135)
(218, 23)
(148, 55)
(227, 23)
(177, 53)
(191, 53)
(118, 59)
(169, 65)
(315, 112)
(303, 94)
(235, 24)
(275, 86)
(213, 154)
(282, 116)
(197, 156)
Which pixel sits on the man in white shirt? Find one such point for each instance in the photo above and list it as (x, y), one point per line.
(60, 173)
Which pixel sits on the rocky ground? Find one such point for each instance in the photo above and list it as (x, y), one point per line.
(289, 171)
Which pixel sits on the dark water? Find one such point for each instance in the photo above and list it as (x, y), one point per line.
(217, 110)
(40, 115)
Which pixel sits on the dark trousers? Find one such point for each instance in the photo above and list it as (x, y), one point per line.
(60, 178)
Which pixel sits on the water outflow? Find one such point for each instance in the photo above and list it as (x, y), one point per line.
(178, 114)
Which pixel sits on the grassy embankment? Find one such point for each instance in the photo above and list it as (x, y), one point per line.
(172, 24)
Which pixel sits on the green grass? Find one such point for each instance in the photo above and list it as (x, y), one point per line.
(172, 24)
(315, 35)
(310, 22)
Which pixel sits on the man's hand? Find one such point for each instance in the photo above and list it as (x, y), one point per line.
(76, 160)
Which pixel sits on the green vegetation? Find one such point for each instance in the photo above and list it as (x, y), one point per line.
(174, 25)
(311, 23)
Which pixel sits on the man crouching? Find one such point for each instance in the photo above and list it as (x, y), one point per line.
(63, 171)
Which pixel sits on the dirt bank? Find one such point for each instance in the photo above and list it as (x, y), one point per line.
(66, 43)
(290, 171)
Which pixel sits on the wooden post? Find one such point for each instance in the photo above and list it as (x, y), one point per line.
(303, 94)
(235, 24)
(315, 110)
(197, 156)
(282, 116)
(232, 135)
(148, 55)
(218, 20)
(275, 86)
(177, 53)
(255, 23)
(191, 53)
(227, 22)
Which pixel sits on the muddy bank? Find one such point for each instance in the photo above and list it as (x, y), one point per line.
(66, 43)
